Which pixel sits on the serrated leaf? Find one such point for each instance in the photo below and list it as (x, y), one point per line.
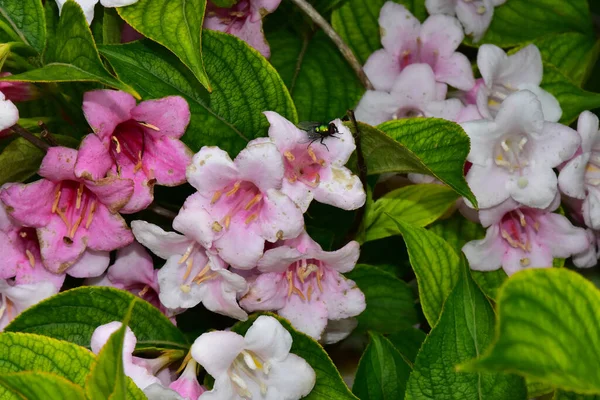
(382, 371)
(177, 25)
(390, 301)
(408, 342)
(320, 81)
(560, 395)
(357, 23)
(436, 265)
(418, 205)
(548, 330)
(75, 314)
(463, 331)
(27, 19)
(519, 21)
(71, 55)
(245, 86)
(329, 383)
(32, 385)
(572, 99)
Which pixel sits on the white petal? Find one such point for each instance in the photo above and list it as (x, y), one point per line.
(216, 350)
(163, 244)
(485, 254)
(490, 60)
(571, 179)
(268, 339)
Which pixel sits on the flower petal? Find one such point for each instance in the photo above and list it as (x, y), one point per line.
(376, 107)
(561, 237)
(490, 60)
(166, 160)
(92, 263)
(475, 22)
(29, 204)
(222, 293)
(455, 71)
(525, 66)
(57, 250)
(292, 378)
(537, 189)
(211, 169)
(105, 109)
(112, 191)
(163, 244)
(279, 259)
(556, 144)
(571, 179)
(108, 231)
(93, 159)
(280, 217)
(195, 222)
(9, 114)
(397, 26)
(587, 127)
(59, 164)
(341, 189)
(268, 292)
(282, 132)
(382, 69)
(443, 32)
(261, 164)
(268, 339)
(216, 350)
(550, 106)
(309, 317)
(133, 266)
(486, 254)
(171, 115)
(342, 260)
(240, 246)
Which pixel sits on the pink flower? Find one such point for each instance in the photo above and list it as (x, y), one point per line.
(187, 385)
(514, 155)
(142, 140)
(475, 15)
(414, 93)
(316, 171)
(405, 41)
(191, 275)
(18, 91)
(304, 284)
(239, 204)
(15, 297)
(258, 365)
(589, 257)
(525, 238)
(244, 20)
(72, 214)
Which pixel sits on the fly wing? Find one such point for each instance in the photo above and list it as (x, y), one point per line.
(308, 125)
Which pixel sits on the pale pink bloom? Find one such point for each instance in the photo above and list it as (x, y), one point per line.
(258, 365)
(9, 115)
(191, 275)
(187, 385)
(18, 91)
(141, 140)
(316, 170)
(239, 204)
(88, 6)
(589, 257)
(15, 297)
(514, 155)
(304, 284)
(405, 41)
(475, 15)
(414, 93)
(72, 214)
(244, 20)
(526, 238)
(133, 366)
(505, 74)
(468, 113)
(156, 391)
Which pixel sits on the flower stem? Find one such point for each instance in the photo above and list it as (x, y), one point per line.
(46, 135)
(24, 133)
(160, 210)
(313, 14)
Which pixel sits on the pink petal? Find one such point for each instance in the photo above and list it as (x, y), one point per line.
(282, 132)
(539, 257)
(105, 109)
(520, 112)
(261, 164)
(309, 317)
(342, 260)
(539, 189)
(195, 221)
(280, 218)
(279, 259)
(550, 105)
(557, 143)
(92, 263)
(108, 231)
(59, 164)
(240, 246)
(23, 297)
(170, 281)
(382, 68)
(474, 22)
(440, 6)
(12, 254)
(398, 26)
(299, 193)
(143, 190)
(171, 115)
(442, 32)
(112, 191)
(341, 189)
(133, 266)
(215, 351)
(488, 184)
(342, 297)
(251, 32)
(587, 127)
(212, 169)
(30, 204)
(93, 159)
(268, 292)
(222, 293)
(486, 254)
(455, 71)
(58, 252)
(376, 107)
(562, 238)
(447, 109)
(525, 66)
(163, 244)
(166, 159)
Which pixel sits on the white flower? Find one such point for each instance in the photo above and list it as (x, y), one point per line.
(16, 298)
(9, 115)
(88, 6)
(257, 366)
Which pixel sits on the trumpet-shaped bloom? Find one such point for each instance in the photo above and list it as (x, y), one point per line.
(258, 365)
(88, 6)
(474, 15)
(580, 177)
(316, 171)
(514, 155)
(304, 284)
(191, 275)
(504, 75)
(414, 93)
(244, 20)
(18, 91)
(526, 238)
(9, 115)
(187, 385)
(239, 204)
(140, 141)
(405, 41)
(15, 297)
(72, 214)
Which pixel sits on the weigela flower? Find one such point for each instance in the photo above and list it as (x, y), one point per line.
(72, 214)
(514, 155)
(580, 177)
(589, 257)
(525, 238)
(187, 385)
(9, 114)
(504, 75)
(475, 15)
(405, 41)
(191, 275)
(18, 91)
(156, 391)
(142, 140)
(414, 93)
(16, 297)
(316, 171)
(244, 20)
(239, 204)
(88, 6)
(256, 366)
(304, 284)
(134, 367)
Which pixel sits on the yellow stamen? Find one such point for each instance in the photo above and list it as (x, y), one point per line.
(289, 156)
(227, 221)
(75, 226)
(312, 154)
(309, 292)
(216, 197)
(186, 255)
(217, 227)
(299, 293)
(79, 195)
(150, 126)
(251, 218)
(23, 234)
(188, 269)
(203, 272)
(235, 188)
(206, 278)
(319, 276)
(62, 216)
(142, 292)
(30, 258)
(525, 262)
(290, 283)
(252, 202)
(292, 179)
(138, 166)
(90, 217)
(56, 199)
(117, 144)
(185, 288)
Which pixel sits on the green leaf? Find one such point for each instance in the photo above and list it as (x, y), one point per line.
(536, 389)
(329, 384)
(382, 371)
(357, 23)
(177, 25)
(224, 3)
(322, 84)
(490, 281)
(34, 385)
(408, 342)
(245, 86)
(463, 331)
(27, 19)
(572, 99)
(520, 21)
(548, 330)
(436, 265)
(418, 205)
(71, 55)
(572, 53)
(560, 395)
(390, 301)
(75, 314)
